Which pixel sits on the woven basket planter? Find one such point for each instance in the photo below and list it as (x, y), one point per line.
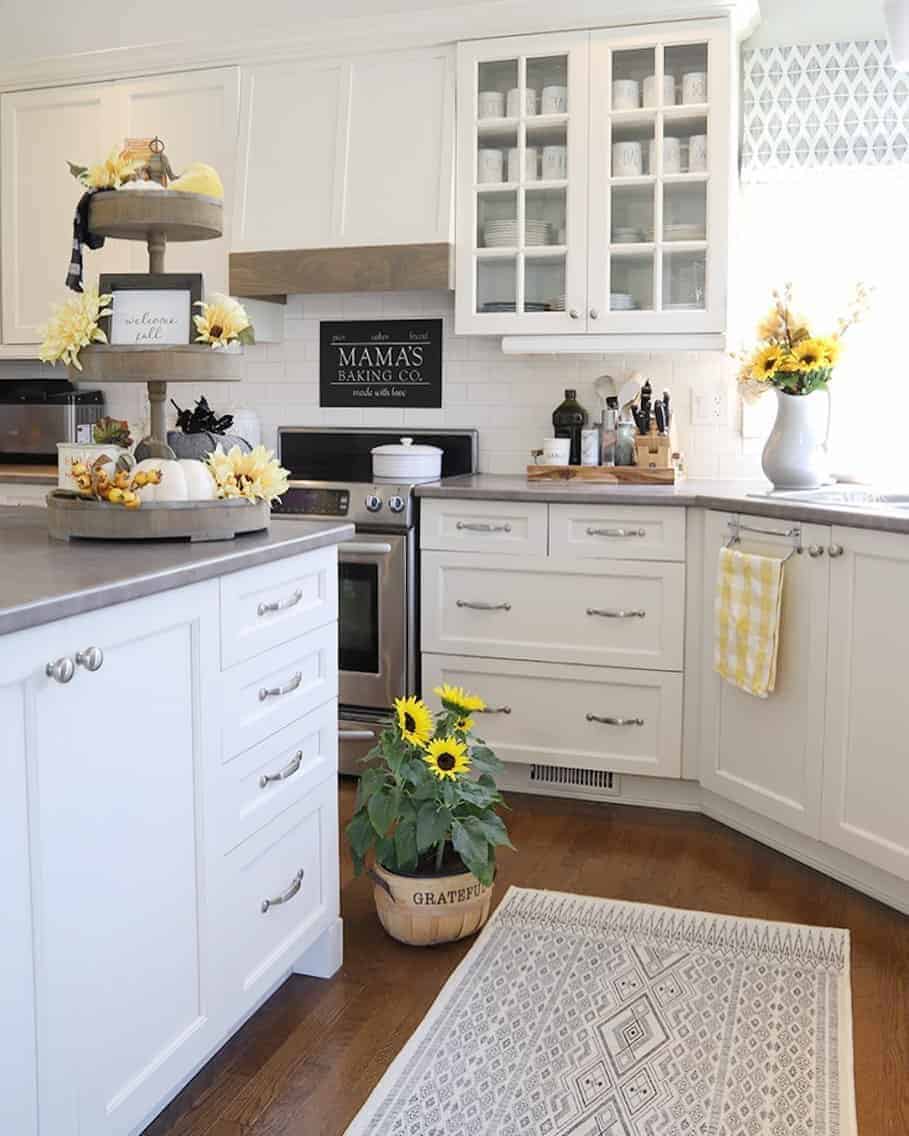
(428, 909)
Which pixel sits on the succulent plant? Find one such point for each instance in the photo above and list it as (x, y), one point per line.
(111, 432)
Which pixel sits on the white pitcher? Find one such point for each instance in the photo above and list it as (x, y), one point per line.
(796, 454)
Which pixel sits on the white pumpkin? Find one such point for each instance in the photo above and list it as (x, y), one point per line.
(182, 480)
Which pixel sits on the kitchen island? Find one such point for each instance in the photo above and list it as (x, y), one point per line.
(169, 816)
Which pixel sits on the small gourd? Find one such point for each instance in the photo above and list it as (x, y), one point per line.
(182, 480)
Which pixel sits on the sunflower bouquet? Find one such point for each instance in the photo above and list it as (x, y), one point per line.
(788, 356)
(432, 798)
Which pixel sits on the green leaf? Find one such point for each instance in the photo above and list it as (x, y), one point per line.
(405, 839)
(371, 781)
(433, 825)
(360, 836)
(247, 336)
(469, 841)
(385, 852)
(477, 794)
(484, 760)
(494, 829)
(383, 809)
(77, 171)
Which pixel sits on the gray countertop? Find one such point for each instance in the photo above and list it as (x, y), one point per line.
(42, 579)
(732, 496)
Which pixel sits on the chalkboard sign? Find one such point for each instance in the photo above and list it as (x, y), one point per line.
(376, 363)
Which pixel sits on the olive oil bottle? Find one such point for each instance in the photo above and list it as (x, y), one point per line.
(568, 420)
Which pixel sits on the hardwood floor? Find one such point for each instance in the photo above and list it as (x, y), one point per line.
(305, 1063)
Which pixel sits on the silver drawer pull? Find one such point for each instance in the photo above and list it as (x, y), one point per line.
(616, 532)
(478, 606)
(61, 670)
(288, 771)
(607, 721)
(495, 710)
(611, 613)
(280, 605)
(277, 691)
(92, 658)
(470, 526)
(295, 885)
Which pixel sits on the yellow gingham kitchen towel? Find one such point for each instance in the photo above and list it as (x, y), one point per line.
(746, 636)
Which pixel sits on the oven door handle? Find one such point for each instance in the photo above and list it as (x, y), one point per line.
(365, 548)
(356, 735)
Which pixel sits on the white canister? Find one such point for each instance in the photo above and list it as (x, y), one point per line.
(513, 102)
(554, 100)
(672, 156)
(555, 163)
(590, 446)
(652, 91)
(627, 159)
(556, 451)
(490, 165)
(697, 153)
(626, 94)
(531, 164)
(404, 462)
(694, 87)
(491, 104)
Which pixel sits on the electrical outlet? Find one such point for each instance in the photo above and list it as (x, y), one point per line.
(710, 407)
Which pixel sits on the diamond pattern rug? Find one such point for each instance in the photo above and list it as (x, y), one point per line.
(574, 1016)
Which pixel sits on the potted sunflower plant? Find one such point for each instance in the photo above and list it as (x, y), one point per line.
(426, 827)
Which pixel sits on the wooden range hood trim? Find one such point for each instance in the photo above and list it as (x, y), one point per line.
(367, 268)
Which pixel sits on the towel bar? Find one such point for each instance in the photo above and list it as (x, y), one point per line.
(794, 534)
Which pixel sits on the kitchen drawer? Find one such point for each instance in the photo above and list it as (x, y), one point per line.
(271, 604)
(606, 613)
(271, 777)
(294, 858)
(546, 713)
(619, 532)
(269, 692)
(512, 528)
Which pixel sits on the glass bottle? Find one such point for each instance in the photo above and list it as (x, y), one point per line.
(568, 420)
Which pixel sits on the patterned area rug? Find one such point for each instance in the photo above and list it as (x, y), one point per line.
(573, 1016)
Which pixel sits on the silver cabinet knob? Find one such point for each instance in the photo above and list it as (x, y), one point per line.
(92, 658)
(594, 314)
(815, 550)
(836, 550)
(373, 503)
(574, 313)
(61, 670)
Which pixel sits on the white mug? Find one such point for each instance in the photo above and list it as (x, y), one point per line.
(627, 159)
(531, 164)
(554, 100)
(513, 102)
(672, 156)
(490, 165)
(652, 95)
(626, 94)
(697, 153)
(491, 104)
(694, 87)
(556, 451)
(555, 163)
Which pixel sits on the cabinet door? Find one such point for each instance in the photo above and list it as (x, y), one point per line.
(126, 1004)
(866, 753)
(197, 116)
(766, 753)
(38, 195)
(522, 185)
(660, 155)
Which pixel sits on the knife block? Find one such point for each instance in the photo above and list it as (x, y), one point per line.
(653, 450)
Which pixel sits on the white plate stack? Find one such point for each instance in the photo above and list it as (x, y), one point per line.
(622, 302)
(696, 232)
(505, 233)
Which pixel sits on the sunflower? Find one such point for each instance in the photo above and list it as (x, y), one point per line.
(414, 720)
(464, 724)
(831, 348)
(456, 699)
(810, 355)
(447, 757)
(765, 362)
(222, 321)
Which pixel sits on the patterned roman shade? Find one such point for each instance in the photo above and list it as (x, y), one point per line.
(812, 106)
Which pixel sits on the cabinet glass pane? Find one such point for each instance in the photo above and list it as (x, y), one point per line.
(686, 63)
(549, 143)
(685, 145)
(631, 283)
(632, 214)
(684, 281)
(545, 217)
(630, 71)
(547, 85)
(496, 285)
(685, 211)
(497, 220)
(544, 284)
(631, 148)
(494, 80)
(493, 148)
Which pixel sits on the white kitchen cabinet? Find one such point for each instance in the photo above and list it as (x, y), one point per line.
(866, 752)
(356, 151)
(767, 753)
(632, 240)
(510, 528)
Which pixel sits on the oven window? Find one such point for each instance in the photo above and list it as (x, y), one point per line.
(358, 630)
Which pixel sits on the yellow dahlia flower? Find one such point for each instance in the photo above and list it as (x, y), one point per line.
(457, 699)
(447, 758)
(112, 172)
(414, 720)
(72, 326)
(256, 475)
(222, 321)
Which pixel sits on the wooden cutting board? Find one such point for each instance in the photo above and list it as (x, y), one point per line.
(602, 475)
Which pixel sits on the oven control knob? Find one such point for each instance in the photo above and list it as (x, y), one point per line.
(373, 503)
(396, 504)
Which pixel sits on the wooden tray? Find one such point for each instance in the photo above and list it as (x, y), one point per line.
(134, 215)
(69, 517)
(602, 474)
(189, 363)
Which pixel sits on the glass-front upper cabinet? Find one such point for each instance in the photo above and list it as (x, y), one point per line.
(522, 184)
(659, 179)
